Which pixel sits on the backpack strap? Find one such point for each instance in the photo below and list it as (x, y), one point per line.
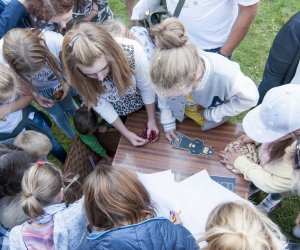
(178, 7)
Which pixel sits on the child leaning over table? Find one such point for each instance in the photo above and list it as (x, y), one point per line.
(276, 124)
(86, 123)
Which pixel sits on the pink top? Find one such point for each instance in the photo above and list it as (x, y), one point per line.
(38, 237)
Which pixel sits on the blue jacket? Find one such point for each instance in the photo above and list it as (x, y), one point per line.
(157, 233)
(11, 15)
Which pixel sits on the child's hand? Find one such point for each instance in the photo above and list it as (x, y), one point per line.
(152, 126)
(229, 157)
(43, 101)
(171, 135)
(135, 140)
(244, 139)
(175, 218)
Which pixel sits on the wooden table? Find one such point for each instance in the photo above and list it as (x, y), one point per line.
(160, 156)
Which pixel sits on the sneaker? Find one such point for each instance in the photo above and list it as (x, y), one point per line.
(296, 232)
(253, 190)
(269, 203)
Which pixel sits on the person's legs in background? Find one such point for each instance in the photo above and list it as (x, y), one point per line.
(59, 112)
(57, 150)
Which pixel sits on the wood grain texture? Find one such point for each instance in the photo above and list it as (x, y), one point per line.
(160, 155)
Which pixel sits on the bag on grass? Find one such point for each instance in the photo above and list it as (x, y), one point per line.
(157, 15)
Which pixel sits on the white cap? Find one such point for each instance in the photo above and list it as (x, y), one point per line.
(277, 116)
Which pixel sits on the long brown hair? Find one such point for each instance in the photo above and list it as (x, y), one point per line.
(86, 43)
(26, 53)
(115, 197)
(277, 149)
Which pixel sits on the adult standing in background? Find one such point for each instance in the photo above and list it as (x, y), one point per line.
(283, 60)
(213, 25)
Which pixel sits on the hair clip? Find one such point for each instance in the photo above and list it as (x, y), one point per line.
(73, 40)
(39, 163)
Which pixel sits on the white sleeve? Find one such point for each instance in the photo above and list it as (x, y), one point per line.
(138, 12)
(106, 110)
(142, 75)
(166, 115)
(54, 42)
(243, 95)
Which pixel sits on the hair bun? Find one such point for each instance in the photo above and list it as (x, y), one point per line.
(169, 34)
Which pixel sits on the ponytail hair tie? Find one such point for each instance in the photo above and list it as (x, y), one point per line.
(31, 194)
(39, 163)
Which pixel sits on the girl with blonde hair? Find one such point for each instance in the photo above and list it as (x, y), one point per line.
(52, 225)
(34, 57)
(206, 87)
(235, 226)
(121, 215)
(110, 74)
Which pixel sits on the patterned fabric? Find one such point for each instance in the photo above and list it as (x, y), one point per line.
(132, 100)
(142, 35)
(4, 243)
(104, 13)
(38, 238)
(123, 105)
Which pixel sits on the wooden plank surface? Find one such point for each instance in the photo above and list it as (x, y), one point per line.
(160, 155)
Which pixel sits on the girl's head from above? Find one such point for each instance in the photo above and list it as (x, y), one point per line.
(277, 118)
(236, 226)
(176, 67)
(55, 11)
(26, 53)
(90, 54)
(42, 185)
(117, 28)
(115, 197)
(13, 164)
(8, 84)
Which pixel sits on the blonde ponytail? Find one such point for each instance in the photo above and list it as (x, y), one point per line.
(40, 186)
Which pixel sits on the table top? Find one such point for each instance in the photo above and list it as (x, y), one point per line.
(160, 155)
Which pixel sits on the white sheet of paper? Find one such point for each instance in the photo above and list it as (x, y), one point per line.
(195, 197)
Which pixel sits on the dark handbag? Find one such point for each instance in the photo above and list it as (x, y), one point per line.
(157, 15)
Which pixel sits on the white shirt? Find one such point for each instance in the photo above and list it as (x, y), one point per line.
(11, 121)
(208, 22)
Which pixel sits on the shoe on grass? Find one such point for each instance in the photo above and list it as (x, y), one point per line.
(269, 203)
(253, 190)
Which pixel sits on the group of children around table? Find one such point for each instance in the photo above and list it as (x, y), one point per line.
(116, 72)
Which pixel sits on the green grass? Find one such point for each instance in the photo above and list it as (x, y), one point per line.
(251, 54)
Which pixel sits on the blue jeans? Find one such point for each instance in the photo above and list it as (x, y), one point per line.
(57, 150)
(60, 113)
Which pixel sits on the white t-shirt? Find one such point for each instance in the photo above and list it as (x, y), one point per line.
(208, 22)
(11, 121)
(45, 78)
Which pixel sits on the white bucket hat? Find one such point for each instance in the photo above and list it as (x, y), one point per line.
(277, 116)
